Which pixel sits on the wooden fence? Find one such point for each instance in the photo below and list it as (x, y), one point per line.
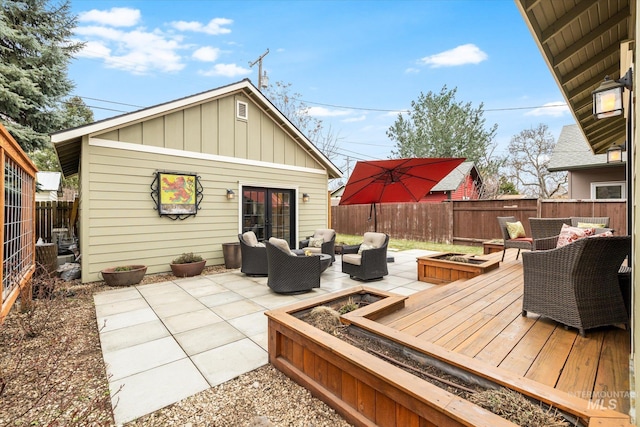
(466, 221)
(50, 216)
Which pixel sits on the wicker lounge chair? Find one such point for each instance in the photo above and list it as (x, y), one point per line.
(545, 231)
(328, 244)
(370, 264)
(289, 273)
(519, 243)
(577, 284)
(254, 255)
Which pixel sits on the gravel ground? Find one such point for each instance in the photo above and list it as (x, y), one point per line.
(52, 373)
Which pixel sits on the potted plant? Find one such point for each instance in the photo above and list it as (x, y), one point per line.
(125, 275)
(187, 265)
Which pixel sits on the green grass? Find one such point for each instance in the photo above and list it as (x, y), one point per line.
(403, 245)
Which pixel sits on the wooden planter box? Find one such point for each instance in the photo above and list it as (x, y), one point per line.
(491, 247)
(367, 391)
(436, 269)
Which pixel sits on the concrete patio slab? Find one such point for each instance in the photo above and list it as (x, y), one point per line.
(166, 341)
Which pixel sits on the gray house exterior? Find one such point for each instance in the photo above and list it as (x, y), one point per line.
(589, 174)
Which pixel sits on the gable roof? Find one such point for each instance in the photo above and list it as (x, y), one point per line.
(572, 151)
(582, 42)
(67, 142)
(48, 181)
(456, 177)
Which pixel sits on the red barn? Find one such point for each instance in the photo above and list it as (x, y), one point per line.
(463, 183)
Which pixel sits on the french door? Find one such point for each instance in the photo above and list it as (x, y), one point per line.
(269, 212)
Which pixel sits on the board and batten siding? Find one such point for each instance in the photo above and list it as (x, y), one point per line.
(122, 226)
(212, 128)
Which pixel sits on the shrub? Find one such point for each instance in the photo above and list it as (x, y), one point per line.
(187, 258)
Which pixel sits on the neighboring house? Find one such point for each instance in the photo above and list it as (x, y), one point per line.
(463, 183)
(589, 175)
(252, 167)
(336, 195)
(48, 186)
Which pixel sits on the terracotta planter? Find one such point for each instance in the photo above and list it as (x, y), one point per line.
(124, 278)
(188, 269)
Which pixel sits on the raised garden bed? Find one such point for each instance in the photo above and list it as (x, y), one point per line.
(448, 267)
(368, 391)
(491, 246)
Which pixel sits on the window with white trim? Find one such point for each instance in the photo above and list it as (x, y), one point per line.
(609, 190)
(242, 110)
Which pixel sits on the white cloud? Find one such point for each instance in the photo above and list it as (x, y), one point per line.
(115, 17)
(206, 54)
(553, 109)
(94, 49)
(411, 70)
(225, 70)
(461, 55)
(355, 119)
(325, 112)
(138, 51)
(214, 27)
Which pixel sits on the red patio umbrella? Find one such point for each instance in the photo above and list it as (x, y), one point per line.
(395, 180)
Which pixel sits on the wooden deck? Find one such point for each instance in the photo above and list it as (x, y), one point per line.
(481, 318)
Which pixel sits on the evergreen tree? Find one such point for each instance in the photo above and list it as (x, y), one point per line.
(74, 113)
(439, 126)
(35, 49)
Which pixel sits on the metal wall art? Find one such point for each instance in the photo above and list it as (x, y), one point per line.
(177, 195)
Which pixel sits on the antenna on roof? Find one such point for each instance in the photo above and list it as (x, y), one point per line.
(263, 80)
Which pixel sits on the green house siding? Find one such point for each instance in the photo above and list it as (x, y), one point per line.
(213, 128)
(122, 226)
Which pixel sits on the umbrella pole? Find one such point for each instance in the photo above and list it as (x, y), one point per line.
(375, 227)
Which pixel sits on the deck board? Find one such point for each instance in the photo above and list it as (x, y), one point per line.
(481, 318)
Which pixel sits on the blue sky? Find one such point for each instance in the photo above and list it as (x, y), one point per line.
(356, 63)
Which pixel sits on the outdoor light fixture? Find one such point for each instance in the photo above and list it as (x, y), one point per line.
(614, 153)
(230, 194)
(305, 197)
(607, 98)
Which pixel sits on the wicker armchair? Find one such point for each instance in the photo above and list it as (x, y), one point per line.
(590, 220)
(291, 274)
(254, 258)
(519, 243)
(370, 263)
(545, 231)
(577, 284)
(328, 246)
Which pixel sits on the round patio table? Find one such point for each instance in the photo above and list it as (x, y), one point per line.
(325, 260)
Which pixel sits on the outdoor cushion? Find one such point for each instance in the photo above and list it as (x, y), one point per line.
(570, 234)
(365, 247)
(374, 239)
(590, 225)
(316, 242)
(282, 245)
(355, 259)
(515, 229)
(250, 238)
(326, 234)
(603, 234)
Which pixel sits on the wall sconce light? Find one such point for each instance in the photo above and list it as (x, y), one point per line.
(305, 197)
(607, 98)
(614, 153)
(230, 194)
